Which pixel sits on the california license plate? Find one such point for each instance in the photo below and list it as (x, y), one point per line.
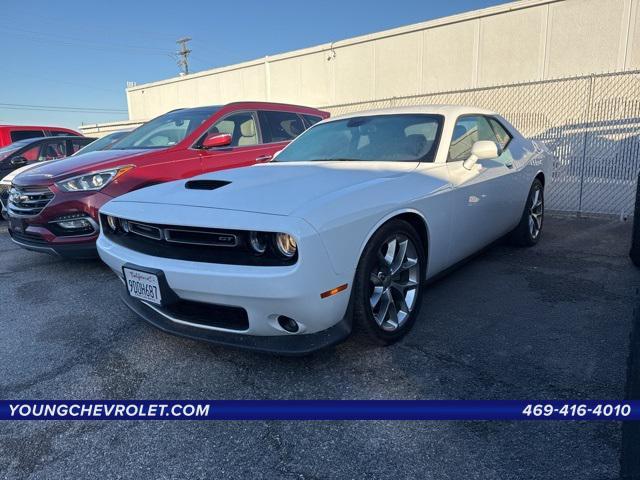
(143, 285)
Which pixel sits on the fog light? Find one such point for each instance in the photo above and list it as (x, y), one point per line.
(76, 224)
(289, 324)
(258, 242)
(113, 223)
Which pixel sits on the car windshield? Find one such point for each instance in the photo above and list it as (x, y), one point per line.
(397, 138)
(103, 143)
(167, 130)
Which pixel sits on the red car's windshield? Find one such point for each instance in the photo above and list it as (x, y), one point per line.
(167, 130)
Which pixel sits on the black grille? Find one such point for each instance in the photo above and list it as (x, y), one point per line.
(28, 201)
(206, 314)
(30, 238)
(210, 245)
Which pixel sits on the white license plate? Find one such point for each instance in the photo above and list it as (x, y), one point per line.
(143, 285)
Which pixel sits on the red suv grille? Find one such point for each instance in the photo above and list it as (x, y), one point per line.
(28, 201)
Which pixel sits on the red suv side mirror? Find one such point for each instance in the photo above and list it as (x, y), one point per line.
(217, 140)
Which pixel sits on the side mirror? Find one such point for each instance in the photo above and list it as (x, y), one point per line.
(217, 140)
(482, 150)
(18, 161)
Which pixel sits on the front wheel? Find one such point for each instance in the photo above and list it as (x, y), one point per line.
(388, 284)
(528, 231)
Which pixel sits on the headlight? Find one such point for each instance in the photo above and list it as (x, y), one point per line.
(286, 244)
(258, 242)
(92, 181)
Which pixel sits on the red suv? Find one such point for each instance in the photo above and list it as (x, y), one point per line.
(13, 133)
(53, 208)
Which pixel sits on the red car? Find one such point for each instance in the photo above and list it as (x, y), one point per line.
(53, 208)
(13, 133)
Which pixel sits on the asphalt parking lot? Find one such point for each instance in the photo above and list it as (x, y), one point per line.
(552, 322)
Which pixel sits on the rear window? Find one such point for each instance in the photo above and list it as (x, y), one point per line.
(311, 119)
(17, 135)
(280, 126)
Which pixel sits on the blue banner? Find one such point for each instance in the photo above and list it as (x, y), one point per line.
(603, 410)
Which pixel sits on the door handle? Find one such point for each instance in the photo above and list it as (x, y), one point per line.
(264, 158)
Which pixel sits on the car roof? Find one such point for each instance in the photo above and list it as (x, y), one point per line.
(31, 141)
(263, 104)
(35, 127)
(445, 110)
(243, 103)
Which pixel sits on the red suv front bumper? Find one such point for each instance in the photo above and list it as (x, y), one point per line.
(41, 230)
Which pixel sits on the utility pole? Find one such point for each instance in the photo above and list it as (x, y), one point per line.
(183, 53)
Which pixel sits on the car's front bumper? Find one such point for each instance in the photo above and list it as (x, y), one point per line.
(37, 233)
(265, 293)
(276, 344)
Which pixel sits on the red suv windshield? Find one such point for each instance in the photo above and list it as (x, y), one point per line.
(166, 130)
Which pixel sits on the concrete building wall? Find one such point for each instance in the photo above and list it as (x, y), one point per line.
(520, 41)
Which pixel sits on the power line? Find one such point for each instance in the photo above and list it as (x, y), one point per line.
(81, 40)
(122, 49)
(87, 85)
(59, 108)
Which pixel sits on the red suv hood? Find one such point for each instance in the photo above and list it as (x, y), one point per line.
(50, 172)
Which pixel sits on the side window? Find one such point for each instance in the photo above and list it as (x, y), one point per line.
(241, 126)
(25, 134)
(77, 145)
(311, 120)
(280, 126)
(466, 132)
(501, 133)
(31, 154)
(53, 150)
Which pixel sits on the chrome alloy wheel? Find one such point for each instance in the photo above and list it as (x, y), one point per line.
(394, 282)
(536, 212)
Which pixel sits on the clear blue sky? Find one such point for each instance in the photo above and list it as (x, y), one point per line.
(81, 54)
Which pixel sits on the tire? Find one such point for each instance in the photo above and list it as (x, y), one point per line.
(528, 231)
(384, 280)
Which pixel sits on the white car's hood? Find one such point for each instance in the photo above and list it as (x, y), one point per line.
(273, 188)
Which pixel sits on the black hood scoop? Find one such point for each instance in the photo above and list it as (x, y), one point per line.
(205, 184)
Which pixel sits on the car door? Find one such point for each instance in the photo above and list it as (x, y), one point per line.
(245, 148)
(481, 193)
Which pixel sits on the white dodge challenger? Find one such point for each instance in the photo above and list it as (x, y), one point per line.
(340, 231)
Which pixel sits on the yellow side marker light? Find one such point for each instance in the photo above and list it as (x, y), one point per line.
(333, 291)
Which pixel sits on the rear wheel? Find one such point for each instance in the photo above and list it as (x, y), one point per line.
(388, 289)
(528, 231)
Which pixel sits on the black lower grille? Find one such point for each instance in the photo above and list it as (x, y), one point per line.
(206, 314)
(32, 238)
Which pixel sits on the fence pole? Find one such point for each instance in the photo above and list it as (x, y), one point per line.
(585, 140)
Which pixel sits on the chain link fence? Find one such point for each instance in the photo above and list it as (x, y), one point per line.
(590, 123)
